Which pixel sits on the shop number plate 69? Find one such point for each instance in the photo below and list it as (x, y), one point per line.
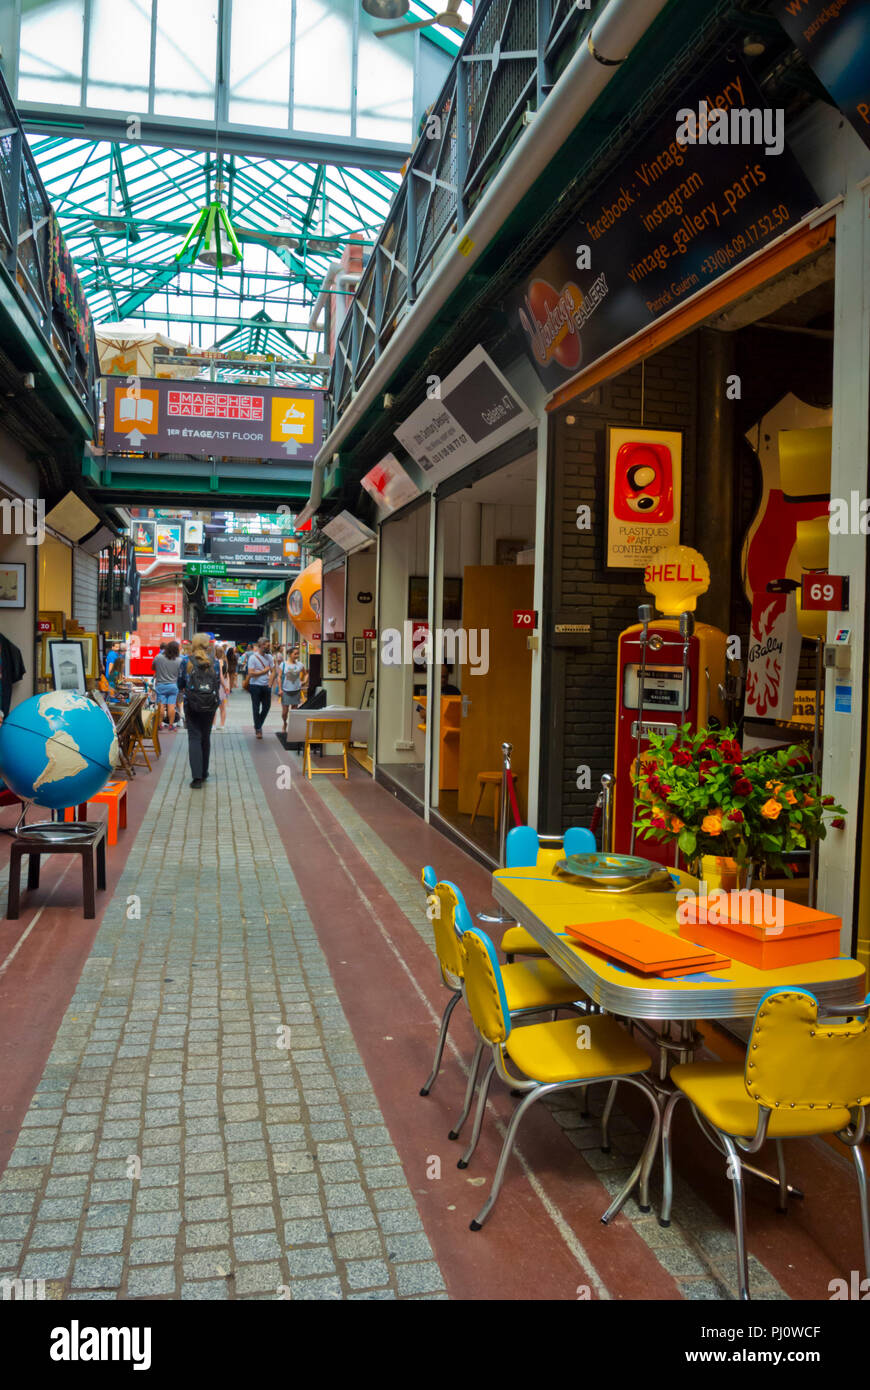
(829, 592)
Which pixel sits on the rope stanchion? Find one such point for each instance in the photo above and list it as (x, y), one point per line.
(515, 806)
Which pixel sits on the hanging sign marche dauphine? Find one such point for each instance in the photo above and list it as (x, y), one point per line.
(213, 418)
(834, 37)
(712, 184)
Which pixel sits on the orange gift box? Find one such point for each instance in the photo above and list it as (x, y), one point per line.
(742, 928)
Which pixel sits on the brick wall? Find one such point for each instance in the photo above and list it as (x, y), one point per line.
(580, 686)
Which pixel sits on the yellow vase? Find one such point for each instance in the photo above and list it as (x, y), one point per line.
(718, 871)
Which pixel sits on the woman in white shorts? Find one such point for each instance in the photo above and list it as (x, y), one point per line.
(290, 676)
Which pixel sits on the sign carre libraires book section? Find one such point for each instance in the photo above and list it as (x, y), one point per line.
(218, 419)
(668, 222)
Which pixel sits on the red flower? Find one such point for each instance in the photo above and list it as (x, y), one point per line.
(731, 750)
(737, 771)
(651, 765)
(736, 816)
(681, 758)
(664, 789)
(704, 768)
(743, 787)
(827, 801)
(837, 823)
(707, 745)
(658, 822)
(654, 783)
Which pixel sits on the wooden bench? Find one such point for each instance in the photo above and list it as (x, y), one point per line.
(325, 731)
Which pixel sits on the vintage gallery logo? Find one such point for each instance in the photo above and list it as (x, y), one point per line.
(552, 320)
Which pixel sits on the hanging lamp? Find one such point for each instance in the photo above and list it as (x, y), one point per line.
(213, 237)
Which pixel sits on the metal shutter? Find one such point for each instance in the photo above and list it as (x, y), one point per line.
(86, 569)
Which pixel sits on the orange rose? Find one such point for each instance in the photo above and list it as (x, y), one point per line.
(791, 798)
(808, 801)
(772, 786)
(676, 824)
(771, 809)
(712, 824)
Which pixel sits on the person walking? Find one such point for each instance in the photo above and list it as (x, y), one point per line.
(224, 693)
(260, 677)
(199, 677)
(290, 678)
(232, 664)
(165, 667)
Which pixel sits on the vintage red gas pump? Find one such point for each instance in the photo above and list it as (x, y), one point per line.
(669, 673)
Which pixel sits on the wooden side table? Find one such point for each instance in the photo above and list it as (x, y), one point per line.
(88, 840)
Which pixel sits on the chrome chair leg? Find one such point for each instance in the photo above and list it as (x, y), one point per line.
(667, 1160)
(605, 1118)
(643, 1167)
(469, 1091)
(478, 1115)
(736, 1172)
(862, 1198)
(782, 1204)
(442, 1038)
(505, 1154)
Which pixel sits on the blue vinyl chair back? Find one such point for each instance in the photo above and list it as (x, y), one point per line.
(521, 846)
(430, 878)
(578, 840)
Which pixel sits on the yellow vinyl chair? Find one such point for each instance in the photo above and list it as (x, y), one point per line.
(530, 989)
(802, 1077)
(549, 1057)
(522, 848)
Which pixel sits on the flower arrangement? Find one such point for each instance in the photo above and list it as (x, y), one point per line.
(757, 808)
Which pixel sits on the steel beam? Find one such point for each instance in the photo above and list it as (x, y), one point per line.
(221, 321)
(79, 123)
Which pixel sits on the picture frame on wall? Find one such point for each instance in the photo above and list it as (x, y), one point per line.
(359, 665)
(418, 599)
(644, 493)
(507, 549)
(13, 585)
(367, 699)
(359, 646)
(334, 661)
(68, 665)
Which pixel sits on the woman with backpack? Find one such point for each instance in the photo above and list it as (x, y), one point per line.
(200, 679)
(259, 680)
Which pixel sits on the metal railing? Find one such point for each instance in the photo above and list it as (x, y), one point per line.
(511, 57)
(26, 253)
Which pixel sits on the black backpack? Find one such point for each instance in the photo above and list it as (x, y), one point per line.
(202, 688)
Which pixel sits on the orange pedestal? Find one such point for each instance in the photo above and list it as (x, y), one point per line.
(114, 795)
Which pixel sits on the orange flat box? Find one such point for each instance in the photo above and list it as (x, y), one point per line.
(640, 947)
(801, 935)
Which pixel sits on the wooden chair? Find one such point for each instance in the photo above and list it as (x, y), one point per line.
(325, 731)
(150, 728)
(484, 780)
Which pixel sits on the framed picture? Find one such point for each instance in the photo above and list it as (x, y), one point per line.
(418, 599)
(367, 699)
(51, 616)
(12, 585)
(359, 646)
(143, 537)
(643, 494)
(90, 643)
(68, 665)
(507, 550)
(359, 665)
(334, 661)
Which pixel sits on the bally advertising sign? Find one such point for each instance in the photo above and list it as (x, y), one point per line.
(773, 657)
(643, 514)
(213, 418)
(696, 197)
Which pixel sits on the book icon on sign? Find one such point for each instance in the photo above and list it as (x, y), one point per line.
(293, 422)
(136, 408)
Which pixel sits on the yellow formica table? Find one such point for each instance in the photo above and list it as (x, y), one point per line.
(545, 905)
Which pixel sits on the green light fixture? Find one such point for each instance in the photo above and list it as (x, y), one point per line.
(213, 238)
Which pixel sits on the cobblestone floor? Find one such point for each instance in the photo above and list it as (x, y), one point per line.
(204, 1127)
